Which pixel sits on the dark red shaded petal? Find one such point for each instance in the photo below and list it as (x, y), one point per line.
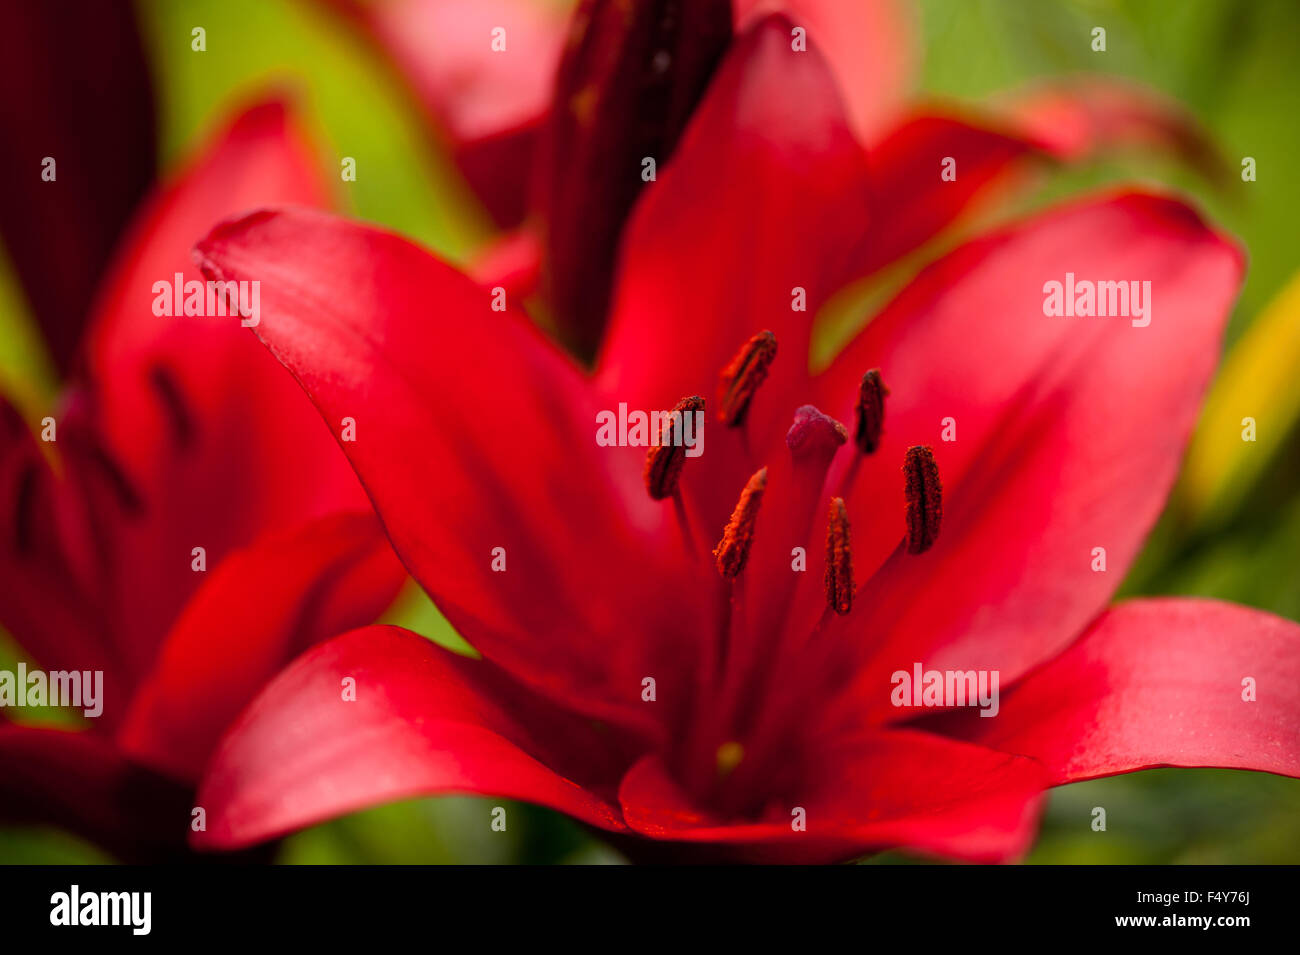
(489, 105)
(262, 607)
(424, 721)
(56, 65)
(477, 443)
(876, 791)
(78, 781)
(1157, 682)
(1069, 430)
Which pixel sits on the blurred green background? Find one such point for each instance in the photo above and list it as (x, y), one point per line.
(1232, 531)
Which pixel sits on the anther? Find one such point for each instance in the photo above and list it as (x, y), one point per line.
(924, 499)
(733, 550)
(839, 564)
(663, 463)
(871, 411)
(742, 376)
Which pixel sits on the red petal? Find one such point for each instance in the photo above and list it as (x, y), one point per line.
(488, 103)
(182, 401)
(1069, 430)
(474, 433)
(766, 193)
(257, 611)
(100, 134)
(424, 721)
(895, 789)
(1158, 683)
(1079, 117)
(871, 47)
(908, 196)
(80, 782)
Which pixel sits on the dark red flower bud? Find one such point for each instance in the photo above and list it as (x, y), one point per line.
(632, 74)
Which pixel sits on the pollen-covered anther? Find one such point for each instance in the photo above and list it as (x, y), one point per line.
(663, 462)
(839, 563)
(871, 411)
(733, 550)
(924, 499)
(742, 376)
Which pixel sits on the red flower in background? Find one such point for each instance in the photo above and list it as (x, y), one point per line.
(767, 701)
(172, 433)
(552, 129)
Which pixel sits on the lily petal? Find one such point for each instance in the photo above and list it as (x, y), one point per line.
(876, 791)
(1158, 682)
(1078, 117)
(871, 47)
(421, 721)
(765, 196)
(910, 202)
(536, 543)
(1069, 430)
(180, 402)
(258, 610)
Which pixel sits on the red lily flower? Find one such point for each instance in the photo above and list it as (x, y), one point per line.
(571, 152)
(166, 445)
(675, 700)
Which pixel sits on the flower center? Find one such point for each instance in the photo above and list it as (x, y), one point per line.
(771, 661)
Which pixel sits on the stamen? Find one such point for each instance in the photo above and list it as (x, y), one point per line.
(839, 565)
(871, 411)
(733, 550)
(742, 376)
(663, 464)
(924, 499)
